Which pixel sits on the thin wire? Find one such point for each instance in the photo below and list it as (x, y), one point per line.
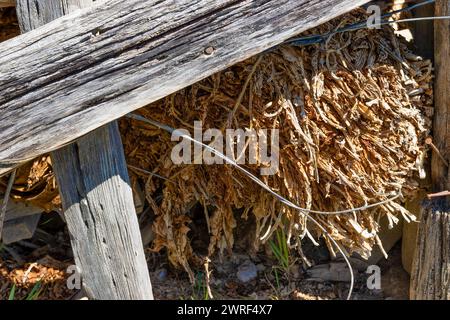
(302, 211)
(392, 13)
(256, 179)
(410, 8)
(382, 23)
(314, 39)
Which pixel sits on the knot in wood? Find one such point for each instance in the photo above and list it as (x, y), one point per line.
(209, 51)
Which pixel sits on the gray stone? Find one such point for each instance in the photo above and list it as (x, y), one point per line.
(333, 271)
(20, 228)
(161, 274)
(247, 272)
(17, 210)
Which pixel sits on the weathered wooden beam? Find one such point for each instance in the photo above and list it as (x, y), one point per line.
(84, 70)
(441, 126)
(100, 214)
(34, 14)
(96, 194)
(431, 266)
(421, 30)
(430, 275)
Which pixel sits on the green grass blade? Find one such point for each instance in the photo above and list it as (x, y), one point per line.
(277, 279)
(12, 293)
(276, 251)
(35, 292)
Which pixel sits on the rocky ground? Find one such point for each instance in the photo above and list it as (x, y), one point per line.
(36, 269)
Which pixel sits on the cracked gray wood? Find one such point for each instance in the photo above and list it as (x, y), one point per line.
(81, 71)
(96, 194)
(430, 275)
(100, 214)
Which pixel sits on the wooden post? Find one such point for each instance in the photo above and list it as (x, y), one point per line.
(96, 194)
(101, 217)
(425, 48)
(430, 277)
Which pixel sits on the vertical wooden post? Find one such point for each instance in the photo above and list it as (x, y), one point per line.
(423, 32)
(430, 277)
(96, 194)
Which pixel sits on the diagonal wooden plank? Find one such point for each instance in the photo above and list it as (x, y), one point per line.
(84, 70)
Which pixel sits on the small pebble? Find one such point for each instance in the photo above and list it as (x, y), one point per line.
(161, 274)
(247, 272)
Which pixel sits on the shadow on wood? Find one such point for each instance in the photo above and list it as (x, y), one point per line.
(100, 214)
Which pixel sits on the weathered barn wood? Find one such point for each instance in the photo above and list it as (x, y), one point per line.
(430, 276)
(96, 194)
(431, 266)
(441, 126)
(82, 71)
(34, 14)
(100, 213)
(420, 30)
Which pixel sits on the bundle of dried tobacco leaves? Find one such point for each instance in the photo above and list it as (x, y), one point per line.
(352, 115)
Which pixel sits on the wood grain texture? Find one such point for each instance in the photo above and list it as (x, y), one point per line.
(430, 275)
(440, 174)
(35, 13)
(421, 30)
(84, 70)
(97, 198)
(99, 212)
